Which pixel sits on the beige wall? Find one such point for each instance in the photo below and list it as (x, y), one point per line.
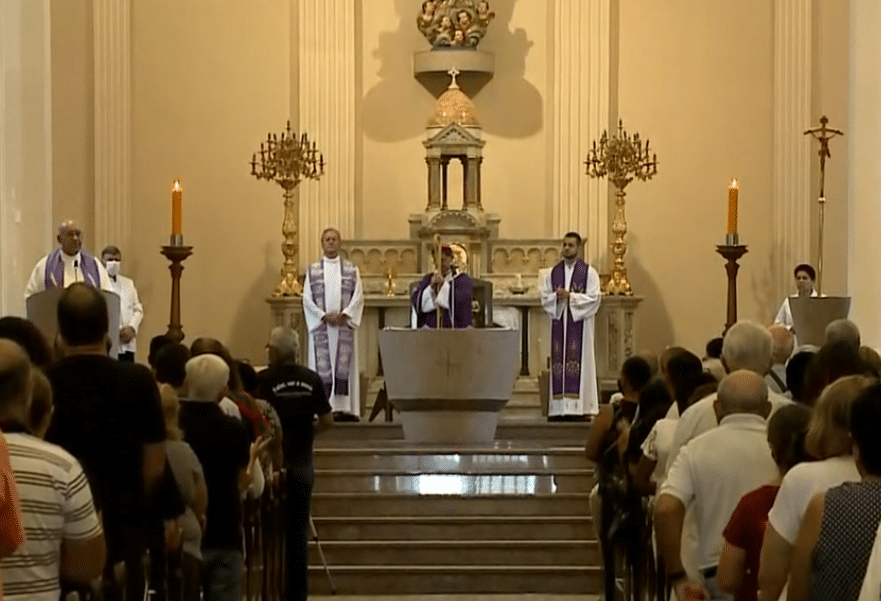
(73, 123)
(210, 79)
(701, 90)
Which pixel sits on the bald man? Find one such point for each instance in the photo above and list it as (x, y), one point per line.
(711, 473)
(67, 264)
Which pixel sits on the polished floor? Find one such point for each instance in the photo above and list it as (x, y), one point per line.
(523, 597)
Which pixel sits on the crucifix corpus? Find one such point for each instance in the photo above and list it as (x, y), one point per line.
(823, 133)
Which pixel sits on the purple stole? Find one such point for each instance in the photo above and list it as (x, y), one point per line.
(54, 276)
(339, 381)
(461, 296)
(566, 348)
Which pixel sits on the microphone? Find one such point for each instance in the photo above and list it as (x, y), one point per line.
(76, 276)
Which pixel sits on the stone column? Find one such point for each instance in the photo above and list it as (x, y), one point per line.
(581, 100)
(327, 111)
(434, 183)
(471, 183)
(112, 100)
(26, 229)
(864, 176)
(792, 202)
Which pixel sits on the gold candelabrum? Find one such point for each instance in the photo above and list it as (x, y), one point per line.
(287, 160)
(621, 158)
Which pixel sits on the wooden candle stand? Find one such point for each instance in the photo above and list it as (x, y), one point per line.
(732, 253)
(176, 254)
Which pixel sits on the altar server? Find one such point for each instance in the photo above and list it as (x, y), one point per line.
(131, 312)
(332, 304)
(570, 294)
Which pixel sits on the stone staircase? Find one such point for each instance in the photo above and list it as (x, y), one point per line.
(510, 517)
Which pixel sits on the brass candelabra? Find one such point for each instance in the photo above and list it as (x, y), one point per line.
(621, 158)
(287, 160)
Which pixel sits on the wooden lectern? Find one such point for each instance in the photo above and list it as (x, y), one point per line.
(449, 385)
(811, 315)
(42, 310)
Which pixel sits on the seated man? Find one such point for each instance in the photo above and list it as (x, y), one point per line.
(448, 290)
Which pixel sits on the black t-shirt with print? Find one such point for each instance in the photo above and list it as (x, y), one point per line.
(297, 394)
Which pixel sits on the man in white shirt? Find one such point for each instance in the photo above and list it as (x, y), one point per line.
(747, 346)
(332, 305)
(712, 473)
(67, 264)
(804, 284)
(571, 296)
(131, 312)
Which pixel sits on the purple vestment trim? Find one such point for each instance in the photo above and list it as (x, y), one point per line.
(462, 293)
(54, 272)
(337, 382)
(566, 344)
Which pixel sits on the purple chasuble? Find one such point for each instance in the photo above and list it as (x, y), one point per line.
(54, 272)
(566, 342)
(337, 382)
(462, 292)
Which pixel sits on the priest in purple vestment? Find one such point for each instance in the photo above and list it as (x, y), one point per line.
(570, 295)
(450, 290)
(67, 264)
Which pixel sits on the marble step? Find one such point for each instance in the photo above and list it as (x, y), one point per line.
(391, 481)
(455, 579)
(434, 460)
(453, 528)
(456, 552)
(534, 428)
(390, 504)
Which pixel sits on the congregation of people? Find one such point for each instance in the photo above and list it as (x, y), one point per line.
(121, 480)
(751, 473)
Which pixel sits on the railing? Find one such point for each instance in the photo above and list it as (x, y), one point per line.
(265, 526)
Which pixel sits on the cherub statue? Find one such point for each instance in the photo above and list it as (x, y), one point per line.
(425, 20)
(484, 16)
(443, 32)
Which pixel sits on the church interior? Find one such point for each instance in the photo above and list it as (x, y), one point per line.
(105, 103)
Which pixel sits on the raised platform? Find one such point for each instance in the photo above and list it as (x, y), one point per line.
(503, 517)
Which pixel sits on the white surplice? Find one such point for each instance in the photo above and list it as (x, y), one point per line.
(332, 302)
(131, 311)
(583, 306)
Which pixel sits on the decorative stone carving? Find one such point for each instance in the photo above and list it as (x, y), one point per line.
(457, 23)
(613, 340)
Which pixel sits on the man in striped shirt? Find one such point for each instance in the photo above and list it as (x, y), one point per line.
(64, 539)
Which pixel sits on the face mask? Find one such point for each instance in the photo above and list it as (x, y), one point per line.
(113, 268)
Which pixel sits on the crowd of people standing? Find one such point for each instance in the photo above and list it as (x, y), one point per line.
(759, 484)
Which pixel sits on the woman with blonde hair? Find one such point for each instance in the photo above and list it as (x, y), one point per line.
(839, 528)
(190, 480)
(827, 440)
